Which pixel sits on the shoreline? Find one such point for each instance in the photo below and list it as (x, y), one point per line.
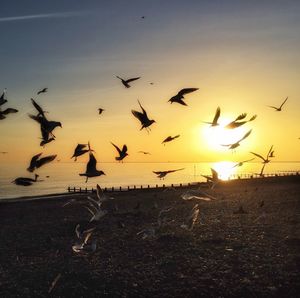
(205, 185)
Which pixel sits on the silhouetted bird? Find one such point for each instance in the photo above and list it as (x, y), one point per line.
(237, 144)
(163, 174)
(3, 152)
(36, 162)
(216, 118)
(80, 150)
(122, 153)
(169, 139)
(143, 118)
(237, 123)
(180, 95)
(4, 113)
(100, 110)
(144, 152)
(214, 179)
(25, 181)
(44, 90)
(239, 164)
(91, 170)
(264, 160)
(280, 108)
(126, 82)
(2, 97)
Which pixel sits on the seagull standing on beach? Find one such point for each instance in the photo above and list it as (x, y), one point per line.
(180, 95)
(122, 153)
(169, 139)
(237, 144)
(126, 82)
(44, 90)
(36, 162)
(143, 118)
(264, 160)
(280, 108)
(163, 174)
(216, 118)
(91, 170)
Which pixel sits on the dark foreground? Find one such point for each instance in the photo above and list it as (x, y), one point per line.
(225, 255)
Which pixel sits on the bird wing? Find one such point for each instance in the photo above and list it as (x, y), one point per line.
(241, 117)
(124, 149)
(45, 160)
(171, 171)
(268, 155)
(273, 107)
(132, 79)
(144, 112)
(118, 149)
(186, 91)
(33, 162)
(38, 108)
(215, 175)
(9, 110)
(168, 139)
(180, 101)
(217, 115)
(245, 136)
(158, 172)
(258, 155)
(99, 192)
(283, 102)
(248, 160)
(252, 118)
(91, 165)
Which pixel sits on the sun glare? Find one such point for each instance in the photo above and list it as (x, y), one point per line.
(224, 169)
(217, 136)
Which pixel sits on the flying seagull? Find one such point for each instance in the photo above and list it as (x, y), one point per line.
(3, 152)
(237, 144)
(191, 218)
(163, 174)
(100, 110)
(83, 245)
(122, 153)
(169, 139)
(197, 194)
(80, 150)
(24, 181)
(143, 118)
(214, 179)
(216, 118)
(2, 97)
(237, 123)
(145, 152)
(91, 170)
(180, 95)
(126, 82)
(280, 108)
(240, 163)
(7, 111)
(36, 162)
(44, 90)
(264, 160)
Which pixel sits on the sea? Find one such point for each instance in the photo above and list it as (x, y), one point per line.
(56, 177)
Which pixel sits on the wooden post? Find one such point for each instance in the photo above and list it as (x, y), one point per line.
(112, 189)
(148, 186)
(156, 186)
(105, 188)
(134, 187)
(128, 188)
(141, 186)
(120, 188)
(69, 189)
(80, 189)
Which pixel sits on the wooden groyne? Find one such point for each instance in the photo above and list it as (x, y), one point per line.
(234, 177)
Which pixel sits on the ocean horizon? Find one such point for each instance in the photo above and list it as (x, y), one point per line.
(56, 177)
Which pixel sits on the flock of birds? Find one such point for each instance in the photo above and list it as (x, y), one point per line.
(47, 128)
(102, 205)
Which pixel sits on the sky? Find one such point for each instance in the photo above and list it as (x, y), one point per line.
(242, 55)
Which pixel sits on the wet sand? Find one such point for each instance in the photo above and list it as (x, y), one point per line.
(227, 254)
